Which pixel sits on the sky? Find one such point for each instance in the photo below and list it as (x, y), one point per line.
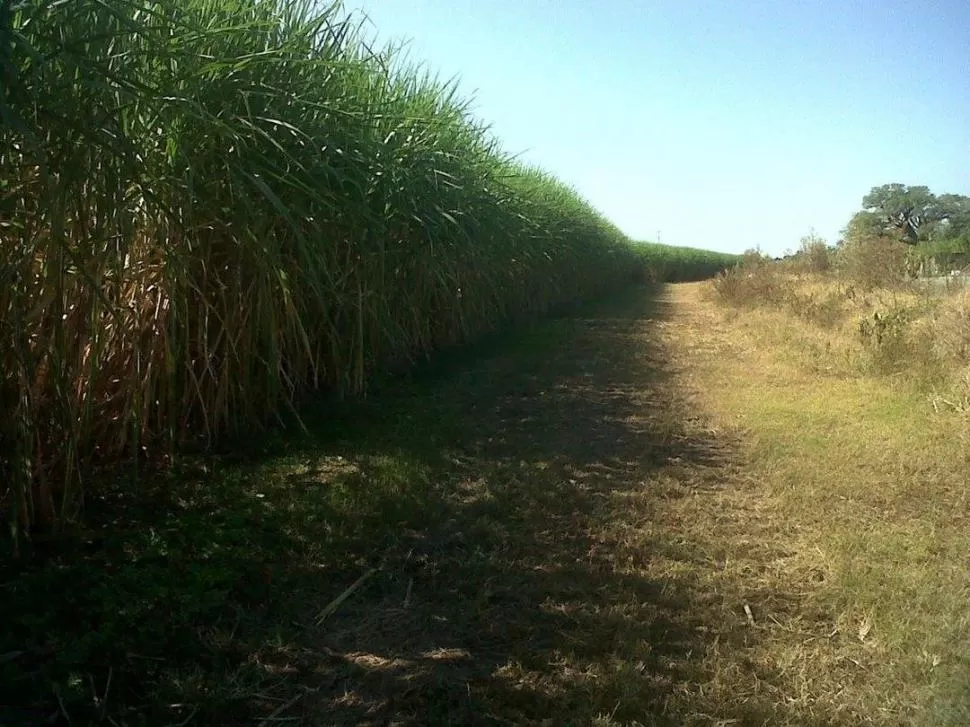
(724, 125)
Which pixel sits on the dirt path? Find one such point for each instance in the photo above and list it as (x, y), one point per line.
(656, 516)
(642, 512)
(597, 542)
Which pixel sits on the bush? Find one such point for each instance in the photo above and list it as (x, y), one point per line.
(950, 329)
(885, 335)
(752, 283)
(874, 262)
(754, 258)
(814, 255)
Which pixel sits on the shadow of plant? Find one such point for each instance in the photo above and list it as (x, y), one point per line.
(497, 496)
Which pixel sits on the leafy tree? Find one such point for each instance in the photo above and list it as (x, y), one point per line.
(905, 208)
(814, 254)
(954, 223)
(864, 225)
(869, 253)
(912, 214)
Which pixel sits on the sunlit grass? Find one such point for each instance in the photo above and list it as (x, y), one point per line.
(869, 478)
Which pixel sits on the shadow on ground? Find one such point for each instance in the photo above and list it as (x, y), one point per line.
(496, 501)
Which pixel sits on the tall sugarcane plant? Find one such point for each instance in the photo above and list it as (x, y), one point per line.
(210, 207)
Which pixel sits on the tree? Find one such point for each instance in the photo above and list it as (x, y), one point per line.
(913, 215)
(905, 208)
(954, 224)
(864, 226)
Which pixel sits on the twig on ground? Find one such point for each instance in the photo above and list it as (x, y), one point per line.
(189, 718)
(335, 603)
(274, 716)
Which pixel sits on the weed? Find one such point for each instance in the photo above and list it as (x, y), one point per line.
(885, 334)
(814, 255)
(871, 263)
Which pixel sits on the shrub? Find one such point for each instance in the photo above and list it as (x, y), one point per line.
(826, 311)
(814, 254)
(752, 283)
(754, 258)
(950, 329)
(874, 262)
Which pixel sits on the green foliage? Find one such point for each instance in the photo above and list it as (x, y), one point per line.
(201, 606)
(675, 264)
(884, 334)
(871, 257)
(953, 229)
(890, 216)
(916, 214)
(864, 225)
(209, 209)
(902, 207)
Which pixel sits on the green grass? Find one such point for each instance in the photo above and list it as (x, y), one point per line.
(211, 214)
(561, 525)
(868, 478)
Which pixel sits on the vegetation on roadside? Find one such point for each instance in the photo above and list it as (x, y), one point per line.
(869, 319)
(210, 209)
(862, 446)
(635, 510)
(876, 314)
(669, 263)
(212, 215)
(855, 482)
(915, 216)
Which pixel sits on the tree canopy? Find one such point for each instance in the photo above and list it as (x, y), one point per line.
(913, 214)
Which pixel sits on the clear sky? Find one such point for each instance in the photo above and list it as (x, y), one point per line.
(725, 125)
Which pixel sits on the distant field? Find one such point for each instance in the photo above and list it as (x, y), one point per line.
(671, 263)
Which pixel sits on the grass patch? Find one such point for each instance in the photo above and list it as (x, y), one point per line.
(650, 510)
(510, 508)
(868, 478)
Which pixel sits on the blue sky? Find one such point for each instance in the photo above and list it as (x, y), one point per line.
(724, 125)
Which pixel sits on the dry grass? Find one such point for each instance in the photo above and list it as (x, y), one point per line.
(865, 481)
(917, 330)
